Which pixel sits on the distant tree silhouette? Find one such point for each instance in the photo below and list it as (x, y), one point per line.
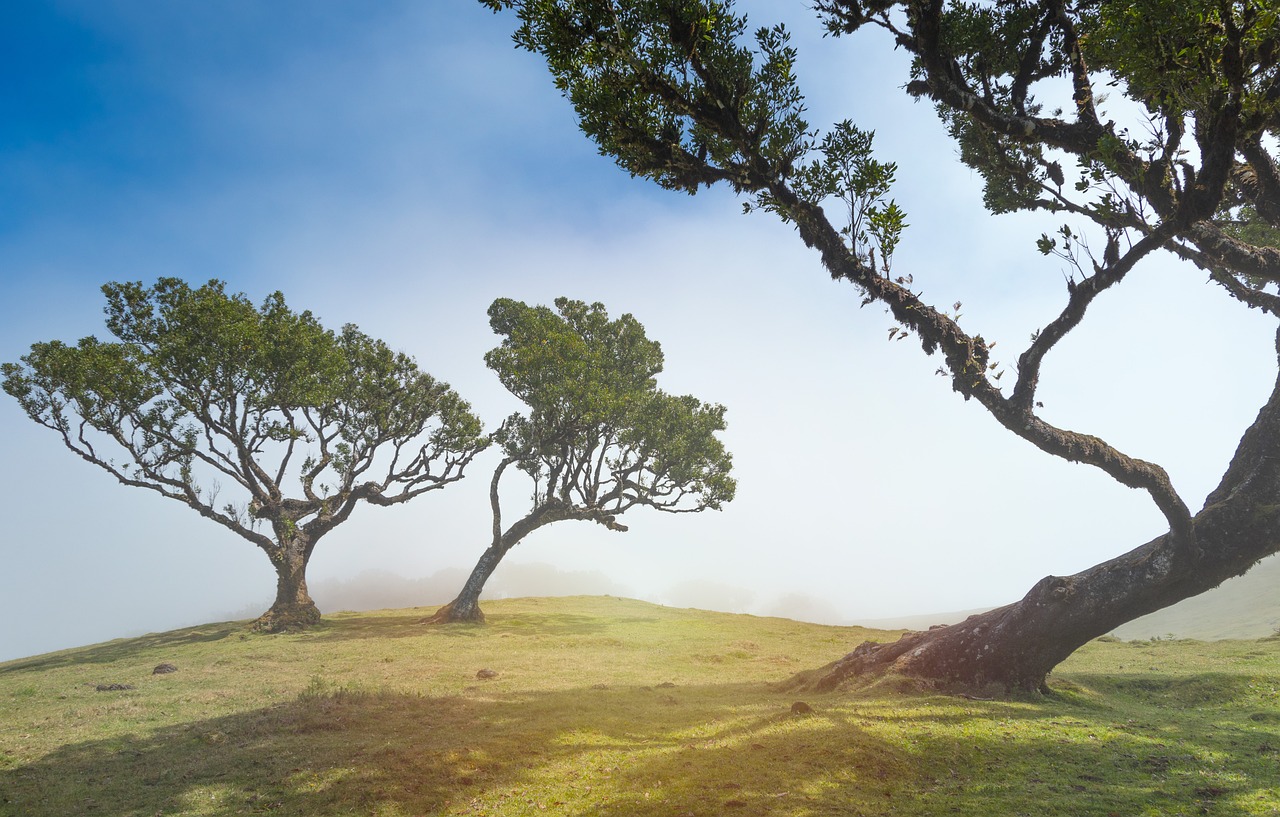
(254, 417)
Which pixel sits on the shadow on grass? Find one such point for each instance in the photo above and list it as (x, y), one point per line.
(127, 648)
(340, 628)
(1202, 689)
(337, 627)
(642, 752)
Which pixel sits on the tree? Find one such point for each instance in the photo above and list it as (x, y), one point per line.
(677, 93)
(202, 391)
(599, 438)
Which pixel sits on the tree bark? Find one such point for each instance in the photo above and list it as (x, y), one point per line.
(466, 607)
(293, 609)
(1014, 648)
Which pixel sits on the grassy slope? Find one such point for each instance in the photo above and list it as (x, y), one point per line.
(1244, 607)
(612, 707)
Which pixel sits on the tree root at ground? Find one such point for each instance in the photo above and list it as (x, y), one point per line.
(451, 613)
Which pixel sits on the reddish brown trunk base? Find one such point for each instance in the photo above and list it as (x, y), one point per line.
(455, 613)
(1014, 648)
(973, 657)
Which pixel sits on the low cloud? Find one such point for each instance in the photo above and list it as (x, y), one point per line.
(540, 579)
(380, 589)
(708, 595)
(803, 607)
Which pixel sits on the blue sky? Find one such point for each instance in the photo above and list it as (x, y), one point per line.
(403, 167)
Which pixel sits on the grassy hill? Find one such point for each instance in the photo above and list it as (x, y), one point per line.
(604, 706)
(1247, 606)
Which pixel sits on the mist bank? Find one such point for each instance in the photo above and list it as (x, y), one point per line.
(1244, 607)
(381, 590)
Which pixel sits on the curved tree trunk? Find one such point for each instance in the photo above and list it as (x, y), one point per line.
(1015, 647)
(466, 607)
(293, 609)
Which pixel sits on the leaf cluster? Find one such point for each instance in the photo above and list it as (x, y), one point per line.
(848, 172)
(1187, 56)
(201, 388)
(599, 435)
(669, 89)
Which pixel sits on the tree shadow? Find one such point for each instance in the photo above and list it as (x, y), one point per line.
(340, 752)
(1163, 689)
(126, 648)
(336, 627)
(968, 759)
(363, 626)
(642, 752)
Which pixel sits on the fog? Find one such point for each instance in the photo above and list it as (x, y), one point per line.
(380, 589)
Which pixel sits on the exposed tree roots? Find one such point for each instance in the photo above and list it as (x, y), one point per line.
(455, 613)
(288, 619)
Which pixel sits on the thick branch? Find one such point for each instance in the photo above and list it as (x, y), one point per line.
(1236, 255)
(1265, 192)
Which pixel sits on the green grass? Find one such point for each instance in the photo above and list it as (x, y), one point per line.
(605, 706)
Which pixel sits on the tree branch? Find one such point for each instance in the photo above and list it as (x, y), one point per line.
(1081, 296)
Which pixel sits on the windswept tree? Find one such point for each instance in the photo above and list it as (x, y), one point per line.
(1184, 165)
(599, 437)
(257, 418)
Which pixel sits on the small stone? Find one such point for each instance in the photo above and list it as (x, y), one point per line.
(486, 674)
(801, 708)
(164, 669)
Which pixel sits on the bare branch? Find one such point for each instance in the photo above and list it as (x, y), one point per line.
(1081, 295)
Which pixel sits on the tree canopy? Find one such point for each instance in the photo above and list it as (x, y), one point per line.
(599, 437)
(1184, 163)
(255, 417)
(599, 433)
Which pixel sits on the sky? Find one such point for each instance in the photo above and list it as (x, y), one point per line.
(400, 165)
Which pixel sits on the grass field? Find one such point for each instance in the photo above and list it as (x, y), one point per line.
(604, 706)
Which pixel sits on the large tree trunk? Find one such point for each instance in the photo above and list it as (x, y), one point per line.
(1015, 647)
(466, 607)
(293, 609)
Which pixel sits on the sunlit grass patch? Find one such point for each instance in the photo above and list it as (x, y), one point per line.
(599, 706)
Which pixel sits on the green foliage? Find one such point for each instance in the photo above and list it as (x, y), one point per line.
(1244, 224)
(599, 434)
(994, 41)
(1177, 55)
(574, 367)
(1009, 170)
(673, 92)
(669, 90)
(848, 172)
(202, 391)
